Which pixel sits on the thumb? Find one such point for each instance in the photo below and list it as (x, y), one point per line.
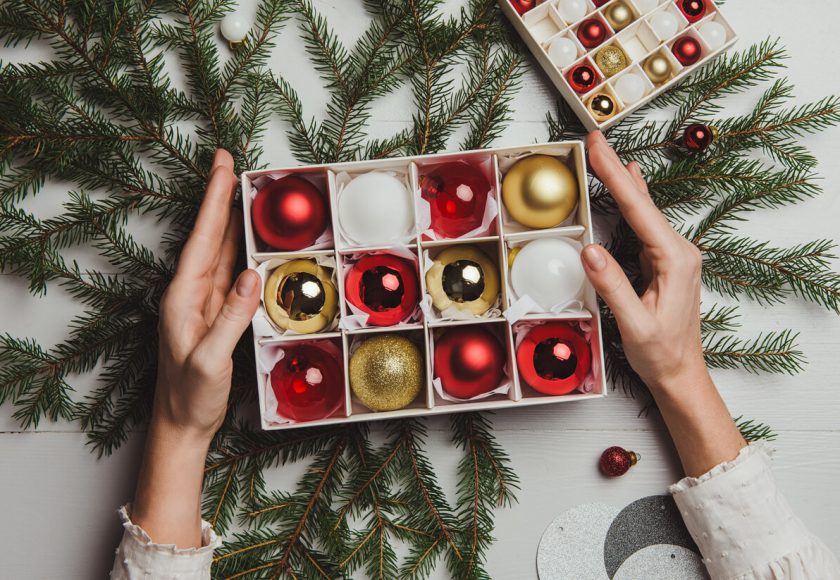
(612, 285)
(235, 315)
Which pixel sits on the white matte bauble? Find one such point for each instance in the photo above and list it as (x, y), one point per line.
(646, 6)
(235, 27)
(562, 52)
(664, 24)
(549, 271)
(714, 34)
(572, 10)
(375, 209)
(630, 88)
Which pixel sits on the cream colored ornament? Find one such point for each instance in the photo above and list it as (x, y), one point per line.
(463, 277)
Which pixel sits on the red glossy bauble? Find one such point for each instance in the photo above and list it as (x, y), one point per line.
(289, 213)
(592, 32)
(616, 461)
(583, 78)
(693, 10)
(469, 361)
(308, 381)
(457, 194)
(554, 358)
(385, 287)
(522, 6)
(698, 137)
(687, 49)
(599, 3)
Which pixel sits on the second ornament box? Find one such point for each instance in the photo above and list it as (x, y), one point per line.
(423, 285)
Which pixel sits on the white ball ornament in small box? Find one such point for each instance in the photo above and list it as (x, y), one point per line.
(548, 270)
(375, 209)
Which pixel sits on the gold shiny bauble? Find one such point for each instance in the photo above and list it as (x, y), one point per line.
(657, 68)
(611, 60)
(465, 278)
(300, 296)
(539, 191)
(619, 15)
(602, 107)
(386, 372)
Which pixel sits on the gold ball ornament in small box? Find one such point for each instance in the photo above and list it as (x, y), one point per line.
(386, 372)
(463, 277)
(540, 191)
(619, 15)
(300, 296)
(611, 60)
(602, 106)
(658, 68)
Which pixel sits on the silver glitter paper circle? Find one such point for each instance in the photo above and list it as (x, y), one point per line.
(572, 546)
(662, 562)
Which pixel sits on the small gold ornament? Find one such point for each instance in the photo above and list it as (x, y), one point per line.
(300, 296)
(463, 277)
(386, 372)
(611, 60)
(657, 68)
(619, 15)
(602, 107)
(539, 191)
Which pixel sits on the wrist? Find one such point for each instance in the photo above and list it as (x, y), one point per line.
(178, 439)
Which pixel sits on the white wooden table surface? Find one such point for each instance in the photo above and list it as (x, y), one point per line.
(58, 502)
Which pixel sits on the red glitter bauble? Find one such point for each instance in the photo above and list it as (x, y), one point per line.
(385, 287)
(289, 213)
(693, 10)
(616, 461)
(308, 381)
(554, 358)
(687, 50)
(698, 137)
(469, 361)
(583, 78)
(457, 194)
(592, 32)
(522, 6)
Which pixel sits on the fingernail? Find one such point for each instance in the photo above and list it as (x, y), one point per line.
(594, 258)
(600, 137)
(217, 157)
(247, 283)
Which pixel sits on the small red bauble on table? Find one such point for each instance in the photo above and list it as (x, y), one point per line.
(616, 461)
(289, 213)
(699, 137)
(592, 32)
(457, 193)
(693, 10)
(687, 49)
(383, 286)
(469, 361)
(308, 382)
(583, 78)
(523, 6)
(554, 358)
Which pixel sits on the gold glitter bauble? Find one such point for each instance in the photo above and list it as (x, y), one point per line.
(619, 15)
(657, 68)
(539, 191)
(465, 278)
(611, 60)
(602, 107)
(386, 372)
(300, 296)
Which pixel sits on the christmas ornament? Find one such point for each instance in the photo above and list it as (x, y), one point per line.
(693, 10)
(523, 6)
(602, 107)
(664, 24)
(548, 270)
(583, 78)
(457, 194)
(554, 358)
(469, 361)
(385, 287)
(571, 11)
(562, 51)
(646, 6)
(592, 32)
(386, 372)
(687, 50)
(616, 461)
(234, 27)
(714, 34)
(699, 137)
(599, 3)
(540, 191)
(375, 209)
(657, 68)
(611, 60)
(289, 213)
(630, 88)
(463, 277)
(619, 15)
(300, 296)
(308, 382)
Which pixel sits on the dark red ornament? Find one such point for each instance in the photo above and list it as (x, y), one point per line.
(554, 358)
(693, 10)
(616, 461)
(469, 361)
(457, 193)
(592, 32)
(385, 287)
(522, 6)
(583, 78)
(687, 50)
(308, 381)
(289, 213)
(599, 3)
(698, 137)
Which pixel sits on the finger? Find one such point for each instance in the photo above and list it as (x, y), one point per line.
(612, 285)
(234, 316)
(227, 256)
(636, 171)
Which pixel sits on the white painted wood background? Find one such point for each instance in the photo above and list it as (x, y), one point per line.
(58, 502)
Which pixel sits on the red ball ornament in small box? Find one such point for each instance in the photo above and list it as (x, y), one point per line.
(308, 381)
(699, 137)
(469, 361)
(616, 461)
(523, 6)
(457, 194)
(592, 32)
(693, 10)
(289, 213)
(687, 49)
(383, 286)
(599, 3)
(583, 78)
(554, 358)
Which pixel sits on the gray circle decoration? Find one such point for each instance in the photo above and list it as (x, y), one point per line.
(572, 547)
(662, 562)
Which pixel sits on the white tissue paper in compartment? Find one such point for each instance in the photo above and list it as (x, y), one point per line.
(504, 386)
(453, 313)
(521, 330)
(263, 325)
